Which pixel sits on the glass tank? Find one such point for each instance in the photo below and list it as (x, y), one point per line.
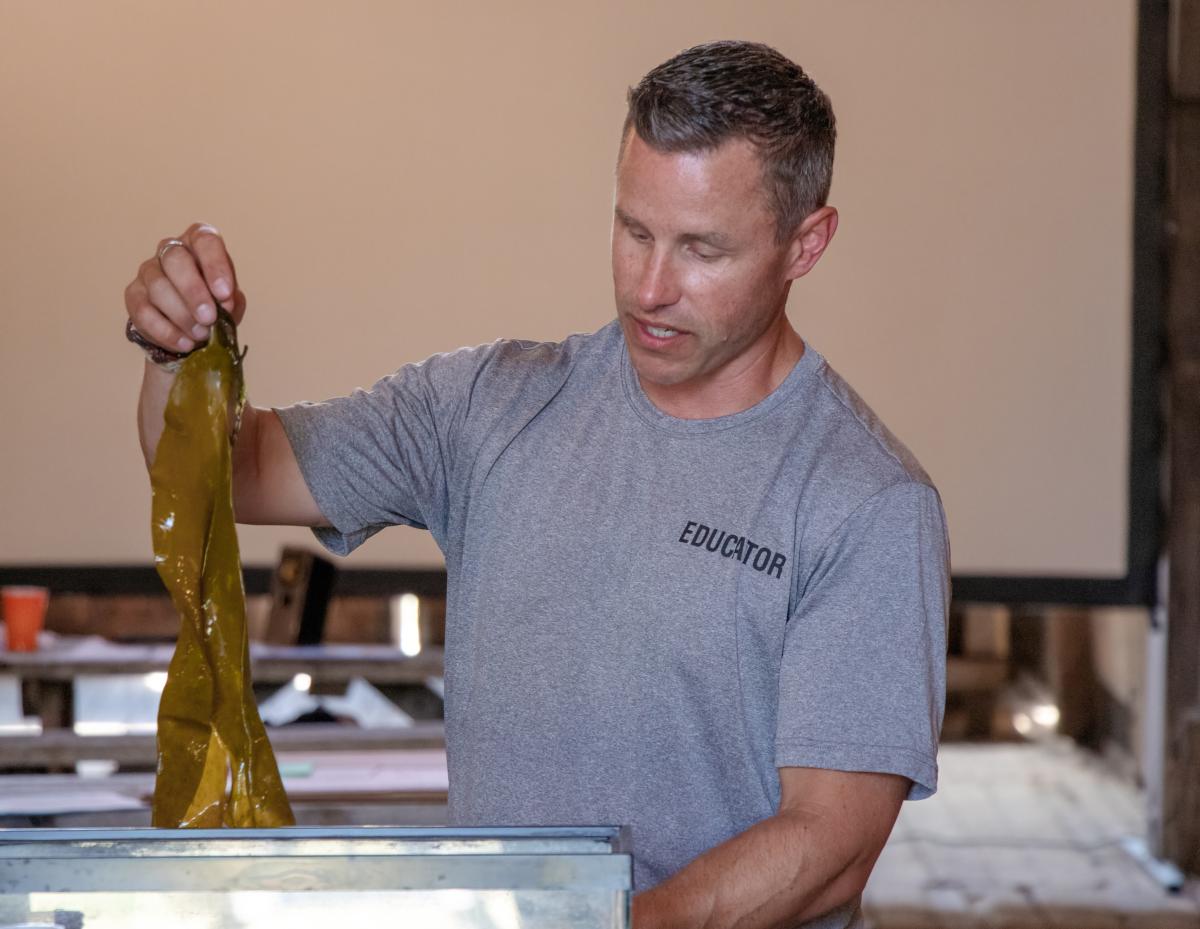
(315, 878)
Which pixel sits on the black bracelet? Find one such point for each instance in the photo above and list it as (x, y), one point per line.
(156, 353)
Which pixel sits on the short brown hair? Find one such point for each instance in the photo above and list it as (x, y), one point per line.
(711, 93)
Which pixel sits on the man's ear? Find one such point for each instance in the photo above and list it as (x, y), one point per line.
(810, 240)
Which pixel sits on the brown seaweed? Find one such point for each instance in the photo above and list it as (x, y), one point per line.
(208, 722)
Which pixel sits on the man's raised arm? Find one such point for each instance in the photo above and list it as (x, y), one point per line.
(171, 304)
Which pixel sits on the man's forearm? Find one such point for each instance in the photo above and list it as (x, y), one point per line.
(156, 388)
(777, 873)
(268, 487)
(152, 402)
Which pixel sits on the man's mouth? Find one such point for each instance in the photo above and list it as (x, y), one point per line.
(658, 336)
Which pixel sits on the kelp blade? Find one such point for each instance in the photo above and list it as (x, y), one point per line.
(208, 722)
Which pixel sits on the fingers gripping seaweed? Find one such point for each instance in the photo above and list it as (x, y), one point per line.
(208, 722)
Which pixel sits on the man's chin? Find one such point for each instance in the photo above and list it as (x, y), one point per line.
(658, 372)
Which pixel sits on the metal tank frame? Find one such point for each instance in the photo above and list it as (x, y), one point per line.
(506, 878)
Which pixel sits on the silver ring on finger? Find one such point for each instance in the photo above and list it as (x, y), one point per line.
(167, 246)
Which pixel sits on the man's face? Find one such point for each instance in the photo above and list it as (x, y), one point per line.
(700, 281)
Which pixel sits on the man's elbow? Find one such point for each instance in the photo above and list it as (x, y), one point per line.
(844, 870)
(847, 885)
(858, 872)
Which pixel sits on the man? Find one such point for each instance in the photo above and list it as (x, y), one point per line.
(694, 585)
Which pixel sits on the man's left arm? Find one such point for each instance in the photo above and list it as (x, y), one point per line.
(861, 692)
(812, 856)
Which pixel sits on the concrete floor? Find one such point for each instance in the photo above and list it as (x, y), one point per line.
(1022, 836)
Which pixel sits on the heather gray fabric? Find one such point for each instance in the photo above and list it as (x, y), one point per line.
(647, 615)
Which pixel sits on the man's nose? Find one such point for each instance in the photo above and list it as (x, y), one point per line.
(659, 285)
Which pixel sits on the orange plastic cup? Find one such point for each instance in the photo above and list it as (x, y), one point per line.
(24, 613)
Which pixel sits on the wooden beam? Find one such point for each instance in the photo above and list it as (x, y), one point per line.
(975, 675)
(986, 630)
(1068, 670)
(1185, 39)
(268, 664)
(1180, 838)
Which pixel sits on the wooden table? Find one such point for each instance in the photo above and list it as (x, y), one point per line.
(48, 674)
(326, 788)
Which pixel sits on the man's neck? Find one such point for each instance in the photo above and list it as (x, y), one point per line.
(726, 392)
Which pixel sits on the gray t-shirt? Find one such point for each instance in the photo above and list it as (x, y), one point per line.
(647, 615)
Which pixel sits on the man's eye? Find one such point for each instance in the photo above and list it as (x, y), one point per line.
(705, 256)
(639, 236)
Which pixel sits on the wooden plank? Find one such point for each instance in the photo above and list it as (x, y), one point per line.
(975, 675)
(61, 748)
(144, 617)
(53, 702)
(986, 630)
(329, 664)
(1067, 669)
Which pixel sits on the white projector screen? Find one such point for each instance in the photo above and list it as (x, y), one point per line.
(396, 179)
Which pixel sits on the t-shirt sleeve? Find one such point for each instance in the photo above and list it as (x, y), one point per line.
(382, 457)
(863, 676)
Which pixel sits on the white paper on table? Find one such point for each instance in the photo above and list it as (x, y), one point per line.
(411, 770)
(367, 706)
(361, 702)
(53, 801)
(98, 648)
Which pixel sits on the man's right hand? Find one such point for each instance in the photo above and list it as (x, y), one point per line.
(171, 301)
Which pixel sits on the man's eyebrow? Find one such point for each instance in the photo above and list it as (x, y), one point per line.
(714, 238)
(625, 218)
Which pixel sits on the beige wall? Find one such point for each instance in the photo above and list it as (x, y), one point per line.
(397, 179)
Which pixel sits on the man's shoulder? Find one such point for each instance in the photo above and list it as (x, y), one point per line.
(854, 459)
(855, 445)
(491, 388)
(523, 360)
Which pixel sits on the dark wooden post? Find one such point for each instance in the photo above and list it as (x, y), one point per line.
(1181, 788)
